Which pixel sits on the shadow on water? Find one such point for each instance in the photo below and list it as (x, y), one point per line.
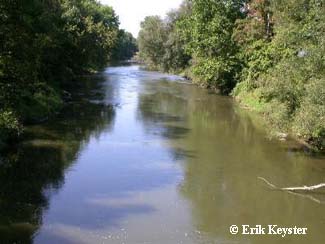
(33, 171)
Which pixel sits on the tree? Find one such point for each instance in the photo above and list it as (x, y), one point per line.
(151, 40)
(208, 32)
(45, 43)
(175, 58)
(126, 46)
(161, 45)
(284, 72)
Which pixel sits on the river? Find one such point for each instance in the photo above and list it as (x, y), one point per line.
(145, 157)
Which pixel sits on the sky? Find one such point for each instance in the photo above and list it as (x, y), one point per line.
(132, 12)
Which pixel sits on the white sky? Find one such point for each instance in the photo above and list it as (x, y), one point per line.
(132, 12)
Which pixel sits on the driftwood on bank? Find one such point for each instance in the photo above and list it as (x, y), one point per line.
(295, 190)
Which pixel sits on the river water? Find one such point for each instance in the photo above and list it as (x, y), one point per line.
(144, 157)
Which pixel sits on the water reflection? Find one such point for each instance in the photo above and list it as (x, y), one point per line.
(31, 173)
(143, 157)
(113, 174)
(223, 150)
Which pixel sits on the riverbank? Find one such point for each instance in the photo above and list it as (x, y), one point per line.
(279, 128)
(254, 104)
(249, 101)
(258, 52)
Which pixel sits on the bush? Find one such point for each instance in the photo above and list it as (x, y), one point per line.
(39, 104)
(214, 73)
(309, 121)
(9, 126)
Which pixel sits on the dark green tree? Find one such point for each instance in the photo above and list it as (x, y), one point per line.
(44, 44)
(126, 46)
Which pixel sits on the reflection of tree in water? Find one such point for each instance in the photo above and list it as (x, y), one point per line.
(162, 110)
(222, 154)
(221, 180)
(35, 169)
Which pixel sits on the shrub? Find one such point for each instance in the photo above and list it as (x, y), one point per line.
(214, 73)
(9, 126)
(309, 121)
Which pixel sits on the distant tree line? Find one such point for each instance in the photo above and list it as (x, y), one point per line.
(44, 44)
(269, 54)
(126, 46)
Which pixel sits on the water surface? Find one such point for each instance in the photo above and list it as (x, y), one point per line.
(145, 157)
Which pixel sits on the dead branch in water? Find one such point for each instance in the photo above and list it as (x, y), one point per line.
(294, 190)
(301, 188)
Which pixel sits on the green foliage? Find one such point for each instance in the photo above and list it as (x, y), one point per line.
(214, 73)
(39, 105)
(200, 30)
(256, 58)
(91, 31)
(44, 45)
(151, 39)
(9, 126)
(126, 46)
(252, 99)
(8, 122)
(161, 45)
(212, 23)
(208, 31)
(270, 51)
(175, 58)
(309, 119)
(288, 70)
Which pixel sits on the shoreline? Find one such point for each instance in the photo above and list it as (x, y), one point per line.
(279, 135)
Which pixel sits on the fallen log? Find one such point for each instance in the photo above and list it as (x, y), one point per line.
(301, 188)
(295, 190)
